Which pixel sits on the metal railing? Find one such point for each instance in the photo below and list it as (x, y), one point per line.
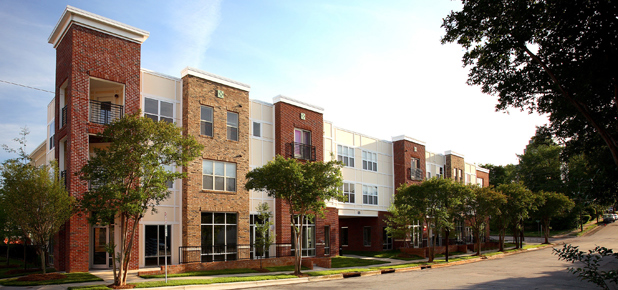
(64, 116)
(415, 173)
(199, 254)
(300, 151)
(104, 112)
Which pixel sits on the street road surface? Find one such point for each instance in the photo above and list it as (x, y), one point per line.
(538, 269)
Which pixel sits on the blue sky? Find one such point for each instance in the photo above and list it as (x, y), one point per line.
(376, 67)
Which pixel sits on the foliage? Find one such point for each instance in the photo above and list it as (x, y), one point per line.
(591, 271)
(501, 174)
(543, 56)
(434, 201)
(398, 223)
(478, 206)
(305, 187)
(33, 199)
(551, 205)
(70, 278)
(263, 237)
(520, 203)
(128, 178)
(202, 273)
(540, 167)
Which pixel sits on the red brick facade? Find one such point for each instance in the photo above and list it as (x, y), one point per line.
(484, 176)
(83, 54)
(356, 227)
(403, 152)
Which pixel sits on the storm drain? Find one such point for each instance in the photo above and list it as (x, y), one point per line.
(425, 267)
(351, 274)
(388, 271)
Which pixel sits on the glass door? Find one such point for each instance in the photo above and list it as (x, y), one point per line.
(100, 239)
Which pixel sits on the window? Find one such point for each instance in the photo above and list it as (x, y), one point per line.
(348, 191)
(206, 121)
(479, 181)
(370, 194)
(370, 161)
(159, 110)
(158, 245)
(257, 129)
(169, 168)
(254, 235)
(441, 172)
(302, 145)
(219, 236)
(344, 236)
(387, 240)
(52, 132)
(232, 126)
(367, 236)
(219, 176)
(326, 240)
(307, 237)
(428, 175)
(345, 154)
(415, 169)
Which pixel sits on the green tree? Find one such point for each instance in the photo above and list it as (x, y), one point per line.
(545, 57)
(540, 166)
(552, 205)
(263, 237)
(519, 206)
(305, 187)
(128, 177)
(398, 223)
(434, 202)
(501, 174)
(591, 270)
(35, 199)
(478, 206)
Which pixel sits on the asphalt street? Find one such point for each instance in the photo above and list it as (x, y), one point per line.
(538, 269)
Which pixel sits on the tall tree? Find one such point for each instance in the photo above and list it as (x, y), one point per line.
(36, 200)
(128, 177)
(520, 204)
(434, 202)
(263, 237)
(478, 206)
(305, 187)
(548, 56)
(551, 205)
(501, 174)
(540, 166)
(398, 223)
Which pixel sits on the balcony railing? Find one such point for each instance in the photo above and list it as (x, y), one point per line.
(64, 116)
(300, 151)
(104, 112)
(416, 173)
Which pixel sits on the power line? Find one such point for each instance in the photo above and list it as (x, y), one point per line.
(16, 84)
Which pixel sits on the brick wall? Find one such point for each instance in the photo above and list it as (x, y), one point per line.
(454, 162)
(403, 152)
(199, 92)
(355, 232)
(84, 53)
(484, 176)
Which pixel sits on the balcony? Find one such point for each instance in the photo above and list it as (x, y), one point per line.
(300, 151)
(63, 175)
(415, 173)
(104, 112)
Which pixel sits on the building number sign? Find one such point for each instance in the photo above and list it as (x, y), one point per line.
(302, 116)
(220, 94)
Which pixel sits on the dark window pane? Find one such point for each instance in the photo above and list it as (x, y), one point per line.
(232, 119)
(219, 218)
(219, 183)
(232, 133)
(207, 218)
(152, 117)
(206, 237)
(230, 218)
(167, 109)
(169, 120)
(151, 106)
(257, 132)
(219, 238)
(231, 184)
(231, 236)
(206, 129)
(150, 248)
(206, 114)
(207, 182)
(351, 162)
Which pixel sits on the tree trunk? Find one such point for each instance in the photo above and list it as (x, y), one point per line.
(521, 234)
(432, 249)
(7, 252)
(447, 231)
(42, 254)
(546, 230)
(477, 236)
(501, 240)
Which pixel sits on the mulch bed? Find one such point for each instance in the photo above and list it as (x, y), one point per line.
(263, 270)
(22, 271)
(128, 286)
(42, 277)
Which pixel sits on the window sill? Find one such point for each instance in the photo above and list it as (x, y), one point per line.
(218, 191)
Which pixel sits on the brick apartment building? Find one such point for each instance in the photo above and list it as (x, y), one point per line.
(209, 215)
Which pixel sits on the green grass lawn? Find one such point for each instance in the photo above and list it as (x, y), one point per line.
(19, 265)
(344, 262)
(332, 272)
(450, 254)
(284, 268)
(71, 278)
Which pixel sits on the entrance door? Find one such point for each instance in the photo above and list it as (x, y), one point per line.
(100, 239)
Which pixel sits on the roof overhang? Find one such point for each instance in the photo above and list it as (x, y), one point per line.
(93, 21)
(214, 78)
(409, 139)
(297, 103)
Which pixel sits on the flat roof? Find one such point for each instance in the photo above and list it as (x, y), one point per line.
(215, 78)
(300, 104)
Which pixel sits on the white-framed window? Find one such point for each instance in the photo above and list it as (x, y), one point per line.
(370, 194)
(370, 161)
(257, 129)
(428, 175)
(206, 127)
(218, 175)
(441, 172)
(349, 191)
(169, 168)
(479, 181)
(157, 245)
(52, 133)
(345, 154)
(219, 236)
(308, 240)
(232, 126)
(159, 110)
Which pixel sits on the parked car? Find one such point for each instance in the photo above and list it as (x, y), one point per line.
(609, 218)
